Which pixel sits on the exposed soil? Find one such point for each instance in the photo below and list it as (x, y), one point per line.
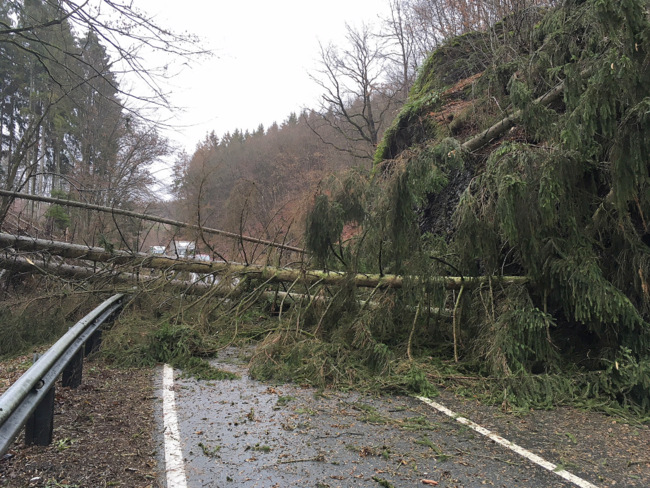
(103, 433)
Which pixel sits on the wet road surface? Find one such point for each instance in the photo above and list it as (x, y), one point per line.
(245, 433)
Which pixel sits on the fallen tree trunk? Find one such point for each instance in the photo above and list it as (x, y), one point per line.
(507, 123)
(265, 273)
(151, 218)
(48, 267)
(371, 304)
(21, 264)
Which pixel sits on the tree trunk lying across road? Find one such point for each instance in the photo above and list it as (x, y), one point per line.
(44, 266)
(48, 266)
(266, 273)
(151, 218)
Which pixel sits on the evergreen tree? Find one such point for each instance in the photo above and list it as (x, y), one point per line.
(562, 198)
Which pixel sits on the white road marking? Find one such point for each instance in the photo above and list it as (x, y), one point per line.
(510, 445)
(174, 466)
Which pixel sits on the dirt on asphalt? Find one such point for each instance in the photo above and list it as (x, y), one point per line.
(608, 451)
(257, 435)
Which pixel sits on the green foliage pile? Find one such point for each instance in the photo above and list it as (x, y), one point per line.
(183, 341)
(154, 326)
(39, 322)
(563, 198)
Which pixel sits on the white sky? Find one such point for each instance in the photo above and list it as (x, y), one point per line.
(264, 52)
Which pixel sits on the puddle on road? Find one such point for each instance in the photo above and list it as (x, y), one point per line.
(249, 434)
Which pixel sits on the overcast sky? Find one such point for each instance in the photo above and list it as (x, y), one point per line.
(264, 51)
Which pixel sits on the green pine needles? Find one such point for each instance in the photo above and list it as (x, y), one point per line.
(562, 196)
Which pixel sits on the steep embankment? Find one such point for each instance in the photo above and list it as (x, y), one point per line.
(521, 151)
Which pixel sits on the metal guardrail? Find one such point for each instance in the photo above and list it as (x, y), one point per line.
(29, 402)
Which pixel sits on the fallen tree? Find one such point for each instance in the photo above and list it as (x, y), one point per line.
(45, 266)
(150, 218)
(550, 183)
(265, 273)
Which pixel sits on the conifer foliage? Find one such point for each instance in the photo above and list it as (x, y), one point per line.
(562, 196)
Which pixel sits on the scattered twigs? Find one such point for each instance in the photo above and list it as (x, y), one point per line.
(639, 461)
(455, 322)
(484, 456)
(415, 319)
(329, 305)
(318, 459)
(283, 298)
(366, 303)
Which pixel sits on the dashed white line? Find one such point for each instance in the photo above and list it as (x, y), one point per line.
(510, 445)
(174, 466)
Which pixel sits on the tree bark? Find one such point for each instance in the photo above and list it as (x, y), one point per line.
(44, 266)
(506, 124)
(152, 218)
(265, 273)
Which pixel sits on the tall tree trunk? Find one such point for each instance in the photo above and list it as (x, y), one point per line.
(11, 195)
(265, 273)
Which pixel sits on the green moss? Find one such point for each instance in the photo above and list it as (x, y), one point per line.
(457, 59)
(409, 127)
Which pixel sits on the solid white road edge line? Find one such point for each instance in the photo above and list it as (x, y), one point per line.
(174, 466)
(510, 445)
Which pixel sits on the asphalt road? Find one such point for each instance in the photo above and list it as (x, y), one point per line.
(247, 434)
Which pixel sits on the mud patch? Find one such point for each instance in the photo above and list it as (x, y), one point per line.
(102, 433)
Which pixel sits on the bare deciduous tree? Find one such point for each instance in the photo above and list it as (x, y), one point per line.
(66, 122)
(357, 102)
(126, 31)
(401, 48)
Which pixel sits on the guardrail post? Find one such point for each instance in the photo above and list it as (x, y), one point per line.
(72, 373)
(40, 425)
(29, 401)
(94, 342)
